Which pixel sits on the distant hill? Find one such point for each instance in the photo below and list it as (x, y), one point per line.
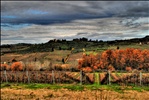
(63, 44)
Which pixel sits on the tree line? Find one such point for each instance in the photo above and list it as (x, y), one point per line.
(120, 59)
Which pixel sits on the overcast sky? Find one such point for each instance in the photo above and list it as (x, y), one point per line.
(40, 21)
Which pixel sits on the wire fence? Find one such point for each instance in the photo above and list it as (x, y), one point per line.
(62, 77)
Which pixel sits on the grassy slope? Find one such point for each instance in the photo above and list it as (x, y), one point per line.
(57, 55)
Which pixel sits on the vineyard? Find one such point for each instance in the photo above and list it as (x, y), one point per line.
(62, 77)
(123, 67)
(45, 77)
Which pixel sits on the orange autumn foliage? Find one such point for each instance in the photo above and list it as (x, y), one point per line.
(128, 69)
(87, 63)
(95, 67)
(17, 66)
(87, 69)
(119, 59)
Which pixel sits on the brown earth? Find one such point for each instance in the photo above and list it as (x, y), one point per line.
(65, 94)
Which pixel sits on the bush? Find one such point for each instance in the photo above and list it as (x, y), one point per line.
(17, 66)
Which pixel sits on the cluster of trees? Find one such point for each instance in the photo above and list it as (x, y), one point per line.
(15, 66)
(117, 59)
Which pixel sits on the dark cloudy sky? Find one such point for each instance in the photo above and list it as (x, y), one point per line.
(40, 21)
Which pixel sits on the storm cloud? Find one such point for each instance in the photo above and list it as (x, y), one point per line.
(47, 12)
(39, 21)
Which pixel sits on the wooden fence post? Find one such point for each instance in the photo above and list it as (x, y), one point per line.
(94, 76)
(59, 77)
(98, 78)
(109, 77)
(134, 77)
(80, 77)
(37, 76)
(140, 78)
(17, 76)
(1, 76)
(53, 79)
(64, 76)
(5, 75)
(28, 76)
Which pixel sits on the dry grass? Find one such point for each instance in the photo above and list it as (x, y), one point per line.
(45, 60)
(65, 94)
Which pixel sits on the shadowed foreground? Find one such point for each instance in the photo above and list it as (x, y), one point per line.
(65, 94)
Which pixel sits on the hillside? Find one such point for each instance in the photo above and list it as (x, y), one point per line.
(78, 44)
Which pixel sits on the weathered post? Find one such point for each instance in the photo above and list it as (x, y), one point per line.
(53, 79)
(109, 77)
(5, 75)
(65, 75)
(98, 78)
(94, 76)
(37, 76)
(17, 76)
(28, 76)
(80, 77)
(140, 78)
(59, 77)
(1, 76)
